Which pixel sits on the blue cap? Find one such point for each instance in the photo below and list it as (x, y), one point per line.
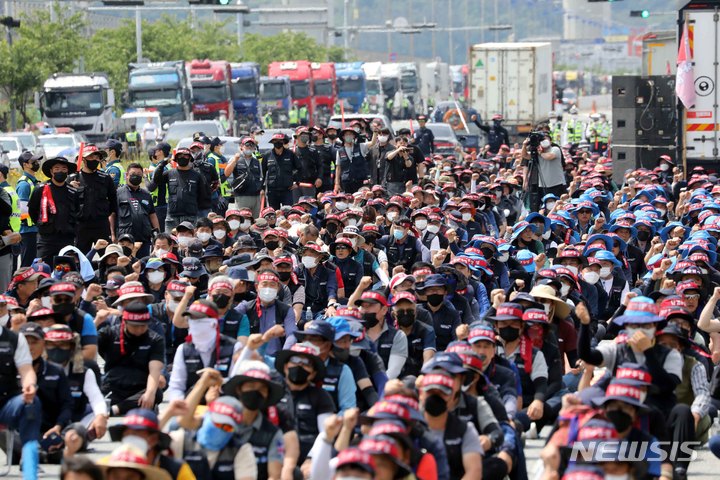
(192, 267)
(212, 251)
(238, 273)
(113, 144)
(433, 280)
(526, 259)
(321, 328)
(154, 264)
(450, 362)
(606, 256)
(342, 327)
(640, 310)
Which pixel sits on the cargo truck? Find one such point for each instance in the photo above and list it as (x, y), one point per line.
(323, 75)
(373, 83)
(211, 91)
(162, 86)
(350, 79)
(301, 82)
(513, 80)
(245, 93)
(436, 83)
(275, 99)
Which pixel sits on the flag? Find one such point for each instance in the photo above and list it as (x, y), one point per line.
(685, 77)
(80, 157)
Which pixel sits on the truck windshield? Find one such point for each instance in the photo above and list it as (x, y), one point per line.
(323, 88)
(68, 101)
(209, 93)
(389, 86)
(243, 88)
(147, 79)
(347, 85)
(300, 89)
(273, 91)
(57, 141)
(154, 98)
(9, 145)
(373, 87)
(409, 83)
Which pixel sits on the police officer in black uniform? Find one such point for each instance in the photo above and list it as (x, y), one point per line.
(424, 138)
(136, 212)
(326, 152)
(160, 152)
(188, 191)
(497, 134)
(310, 166)
(282, 167)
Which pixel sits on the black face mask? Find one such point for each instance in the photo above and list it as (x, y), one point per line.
(92, 164)
(252, 400)
(35, 167)
(60, 177)
(63, 308)
(435, 299)
(509, 334)
(272, 244)
(222, 301)
(332, 228)
(59, 356)
(621, 420)
(332, 136)
(465, 179)
(487, 253)
(284, 276)
(643, 236)
(405, 318)
(135, 180)
(127, 251)
(435, 405)
(341, 354)
(298, 375)
(183, 161)
(370, 320)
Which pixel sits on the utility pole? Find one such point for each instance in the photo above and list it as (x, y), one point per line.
(138, 34)
(10, 23)
(346, 33)
(450, 35)
(432, 13)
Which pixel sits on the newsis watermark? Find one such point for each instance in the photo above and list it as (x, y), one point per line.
(595, 451)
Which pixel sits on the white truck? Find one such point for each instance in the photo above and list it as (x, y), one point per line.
(513, 80)
(391, 86)
(436, 82)
(83, 102)
(373, 86)
(410, 83)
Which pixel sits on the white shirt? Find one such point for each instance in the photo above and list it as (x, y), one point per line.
(149, 131)
(177, 385)
(92, 391)
(22, 352)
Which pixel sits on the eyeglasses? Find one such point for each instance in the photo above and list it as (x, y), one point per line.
(224, 427)
(300, 360)
(691, 296)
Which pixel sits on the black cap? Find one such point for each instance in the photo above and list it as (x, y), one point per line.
(216, 141)
(165, 147)
(32, 329)
(114, 145)
(27, 156)
(403, 131)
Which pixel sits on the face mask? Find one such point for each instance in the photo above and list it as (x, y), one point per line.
(550, 205)
(447, 169)
(545, 144)
(183, 161)
(643, 396)
(46, 302)
(370, 319)
(235, 224)
(383, 138)
(332, 136)
(137, 442)
(298, 375)
(60, 177)
(349, 138)
(504, 257)
(59, 356)
(664, 167)
(159, 252)
(435, 405)
(284, 276)
(203, 332)
(605, 272)
(272, 244)
(267, 294)
(352, 222)
(564, 290)
(219, 234)
(435, 300)
(620, 420)
(546, 307)
(212, 437)
(662, 211)
(392, 216)
(203, 236)
(405, 318)
(64, 308)
(221, 300)
(172, 305)
(398, 234)
(247, 153)
(433, 228)
(466, 217)
(572, 268)
(251, 275)
(245, 225)
(309, 262)
(546, 235)
(252, 400)
(341, 354)
(591, 277)
(304, 138)
(92, 164)
(184, 241)
(341, 206)
(156, 277)
(624, 476)
(643, 235)
(487, 253)
(509, 334)
(421, 224)
(704, 271)
(649, 332)
(35, 167)
(135, 180)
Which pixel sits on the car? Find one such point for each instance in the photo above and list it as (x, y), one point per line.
(230, 148)
(182, 129)
(336, 120)
(445, 138)
(29, 141)
(264, 139)
(67, 143)
(11, 149)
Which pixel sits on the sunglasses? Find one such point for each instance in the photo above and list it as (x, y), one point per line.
(692, 296)
(342, 247)
(300, 361)
(224, 427)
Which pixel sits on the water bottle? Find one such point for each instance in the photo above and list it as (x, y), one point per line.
(715, 429)
(308, 314)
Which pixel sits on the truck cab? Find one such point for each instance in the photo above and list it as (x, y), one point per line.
(373, 84)
(411, 84)
(163, 86)
(211, 91)
(325, 91)
(275, 99)
(245, 92)
(82, 102)
(350, 79)
(301, 82)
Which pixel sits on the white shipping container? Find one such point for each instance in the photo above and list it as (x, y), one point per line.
(514, 80)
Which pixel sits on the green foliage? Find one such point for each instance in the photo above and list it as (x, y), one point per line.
(287, 46)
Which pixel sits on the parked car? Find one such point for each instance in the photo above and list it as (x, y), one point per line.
(61, 142)
(182, 129)
(29, 141)
(11, 149)
(230, 148)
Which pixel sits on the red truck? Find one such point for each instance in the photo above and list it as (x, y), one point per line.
(301, 83)
(323, 75)
(210, 82)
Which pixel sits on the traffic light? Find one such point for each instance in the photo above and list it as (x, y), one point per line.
(640, 13)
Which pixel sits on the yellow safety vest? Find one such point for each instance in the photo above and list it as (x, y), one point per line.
(26, 216)
(119, 165)
(224, 187)
(267, 120)
(15, 215)
(131, 137)
(150, 172)
(294, 116)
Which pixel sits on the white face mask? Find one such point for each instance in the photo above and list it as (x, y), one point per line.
(649, 332)
(137, 442)
(341, 206)
(46, 302)
(421, 224)
(572, 268)
(591, 277)
(349, 138)
(546, 234)
(664, 167)
(203, 332)
(605, 272)
(546, 306)
(545, 144)
(504, 257)
(662, 211)
(564, 290)
(643, 397)
(159, 252)
(235, 224)
(550, 205)
(466, 217)
(4, 319)
(506, 212)
(392, 216)
(267, 294)
(382, 138)
(184, 241)
(219, 234)
(172, 305)
(251, 275)
(203, 236)
(156, 277)
(624, 476)
(352, 222)
(433, 228)
(704, 271)
(245, 225)
(309, 262)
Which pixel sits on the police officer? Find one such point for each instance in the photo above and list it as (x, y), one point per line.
(247, 173)
(282, 166)
(27, 182)
(56, 215)
(218, 161)
(424, 138)
(98, 200)
(136, 212)
(310, 167)
(114, 166)
(294, 115)
(327, 157)
(497, 134)
(188, 191)
(351, 166)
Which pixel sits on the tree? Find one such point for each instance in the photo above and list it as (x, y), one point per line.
(287, 46)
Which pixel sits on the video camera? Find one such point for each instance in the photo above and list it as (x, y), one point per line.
(534, 140)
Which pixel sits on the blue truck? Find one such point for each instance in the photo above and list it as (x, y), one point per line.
(350, 79)
(161, 86)
(275, 98)
(245, 92)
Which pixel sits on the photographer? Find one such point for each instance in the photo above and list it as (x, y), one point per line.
(551, 177)
(399, 162)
